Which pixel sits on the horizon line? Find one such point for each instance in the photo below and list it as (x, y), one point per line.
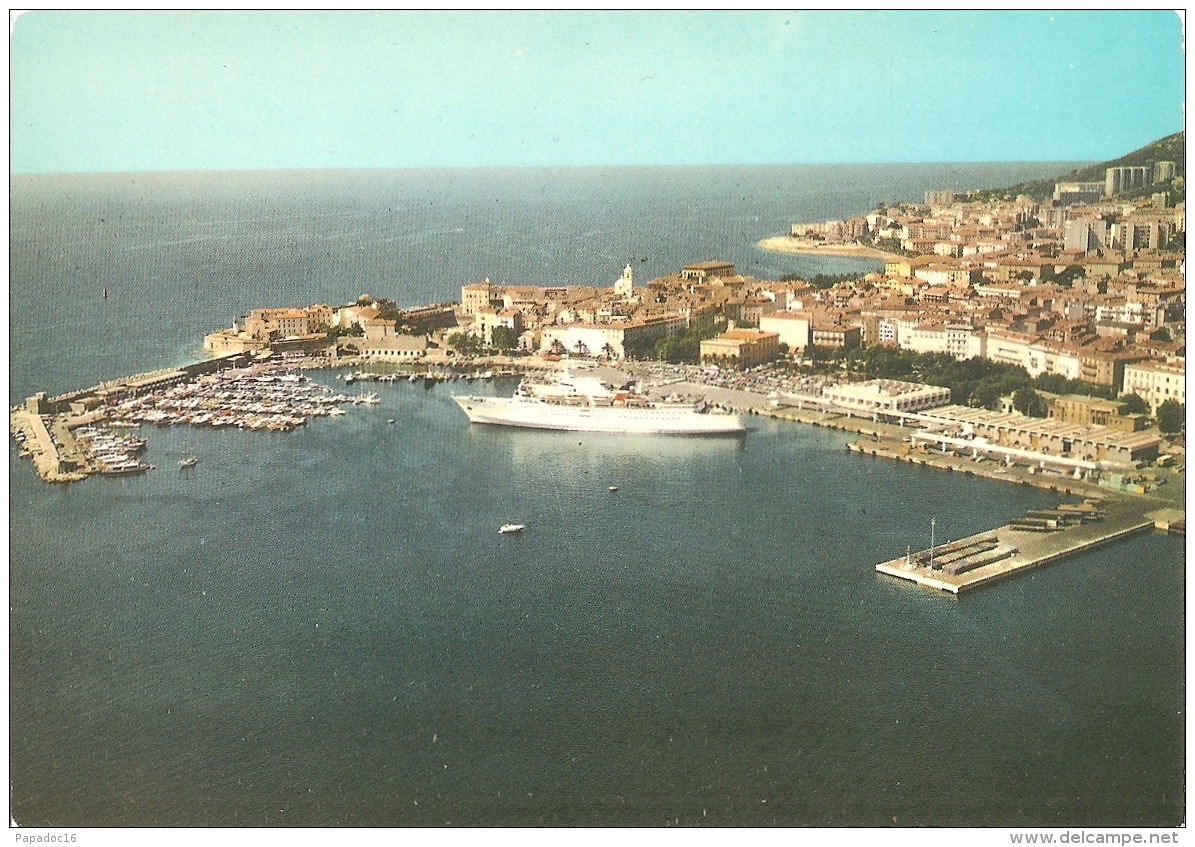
(351, 168)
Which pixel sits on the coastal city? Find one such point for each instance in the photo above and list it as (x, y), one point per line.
(1077, 302)
(536, 419)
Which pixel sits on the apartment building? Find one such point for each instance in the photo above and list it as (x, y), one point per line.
(1156, 382)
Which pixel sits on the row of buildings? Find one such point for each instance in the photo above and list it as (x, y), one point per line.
(1040, 286)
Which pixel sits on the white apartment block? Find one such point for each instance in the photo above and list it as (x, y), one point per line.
(1032, 354)
(792, 327)
(1129, 312)
(958, 340)
(1156, 382)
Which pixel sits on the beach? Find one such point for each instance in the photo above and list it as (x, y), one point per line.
(788, 244)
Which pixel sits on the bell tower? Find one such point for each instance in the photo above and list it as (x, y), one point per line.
(624, 285)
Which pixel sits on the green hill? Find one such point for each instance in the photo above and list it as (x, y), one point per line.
(1172, 148)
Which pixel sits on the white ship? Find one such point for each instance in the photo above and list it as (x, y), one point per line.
(584, 403)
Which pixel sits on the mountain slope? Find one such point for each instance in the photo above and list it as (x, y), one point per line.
(1172, 148)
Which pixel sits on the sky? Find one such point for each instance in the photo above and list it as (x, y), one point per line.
(207, 90)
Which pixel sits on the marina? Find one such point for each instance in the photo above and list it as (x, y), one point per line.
(97, 431)
(86, 432)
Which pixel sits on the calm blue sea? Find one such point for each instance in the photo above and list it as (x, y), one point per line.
(324, 627)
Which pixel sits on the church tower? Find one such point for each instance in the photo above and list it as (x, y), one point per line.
(624, 285)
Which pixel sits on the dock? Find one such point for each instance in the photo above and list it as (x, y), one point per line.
(1041, 538)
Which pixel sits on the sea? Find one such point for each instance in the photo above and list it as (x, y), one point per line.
(324, 628)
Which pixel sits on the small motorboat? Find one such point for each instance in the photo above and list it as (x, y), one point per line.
(613, 488)
(508, 528)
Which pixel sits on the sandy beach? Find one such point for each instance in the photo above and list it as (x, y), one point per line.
(788, 244)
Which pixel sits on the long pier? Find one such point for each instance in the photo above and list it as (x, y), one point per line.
(1022, 545)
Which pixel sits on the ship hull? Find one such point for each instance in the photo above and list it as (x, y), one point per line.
(652, 420)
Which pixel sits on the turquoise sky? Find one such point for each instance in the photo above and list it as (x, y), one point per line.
(131, 91)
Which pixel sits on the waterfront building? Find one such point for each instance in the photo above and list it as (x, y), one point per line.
(312, 344)
(520, 297)
(234, 340)
(886, 396)
(608, 339)
(480, 295)
(1156, 382)
(395, 348)
(280, 322)
(743, 348)
(1080, 409)
(1048, 437)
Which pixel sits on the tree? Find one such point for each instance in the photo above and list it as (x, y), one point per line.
(1135, 404)
(505, 337)
(1069, 274)
(1172, 417)
(464, 343)
(986, 396)
(1028, 402)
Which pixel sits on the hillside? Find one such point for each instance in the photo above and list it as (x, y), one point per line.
(1172, 148)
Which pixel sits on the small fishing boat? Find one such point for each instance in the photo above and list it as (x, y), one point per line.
(508, 528)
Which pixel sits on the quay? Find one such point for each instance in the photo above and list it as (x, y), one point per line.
(56, 459)
(1043, 537)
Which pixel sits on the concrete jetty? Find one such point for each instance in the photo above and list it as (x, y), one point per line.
(1019, 546)
(56, 456)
